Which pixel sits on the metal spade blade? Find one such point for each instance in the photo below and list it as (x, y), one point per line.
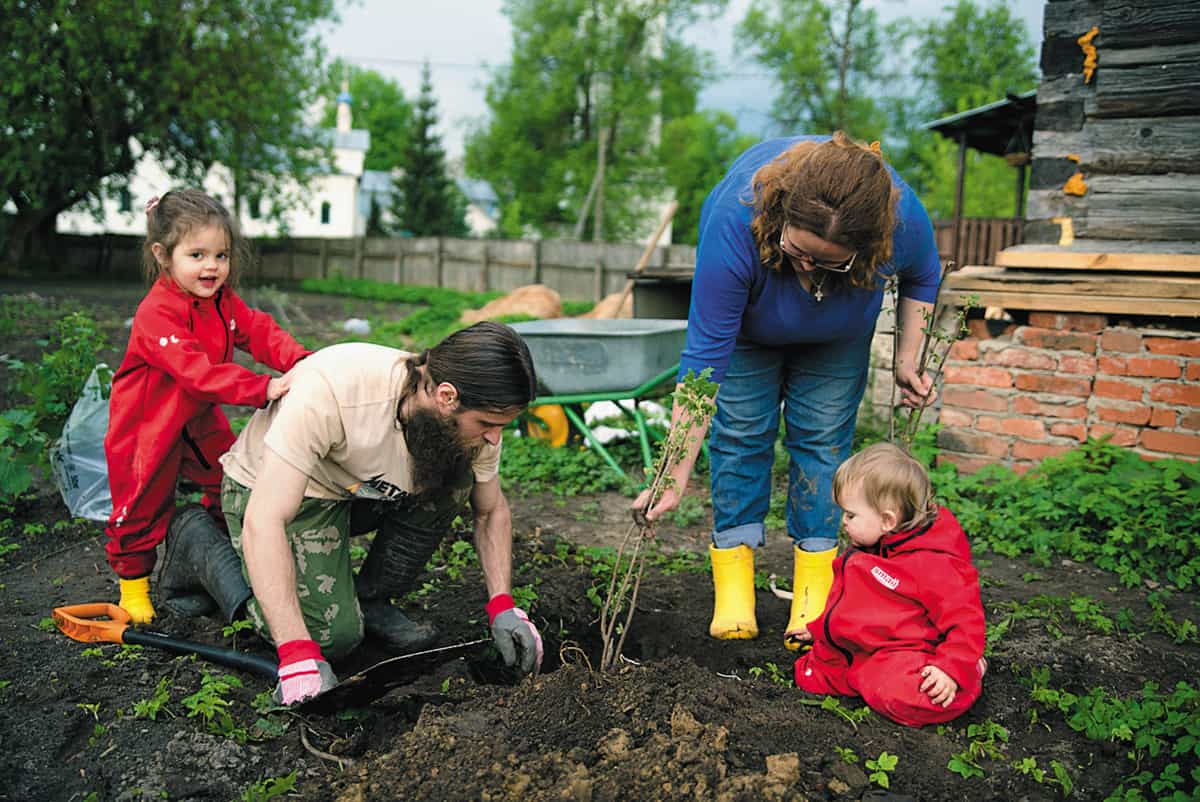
(371, 683)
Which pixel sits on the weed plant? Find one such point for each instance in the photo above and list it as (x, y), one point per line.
(531, 465)
(211, 705)
(30, 315)
(270, 788)
(1159, 732)
(51, 386)
(42, 392)
(1098, 503)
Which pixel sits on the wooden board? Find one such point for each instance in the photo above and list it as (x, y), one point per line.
(1065, 302)
(1156, 54)
(1143, 145)
(1070, 17)
(1108, 260)
(668, 273)
(1124, 285)
(1147, 91)
(1158, 207)
(1141, 23)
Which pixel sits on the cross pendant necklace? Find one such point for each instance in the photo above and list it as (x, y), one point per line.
(817, 293)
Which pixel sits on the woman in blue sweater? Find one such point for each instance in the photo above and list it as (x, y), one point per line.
(796, 244)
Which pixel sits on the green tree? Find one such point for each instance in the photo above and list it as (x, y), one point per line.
(228, 81)
(696, 151)
(579, 67)
(827, 57)
(427, 202)
(968, 56)
(378, 105)
(376, 225)
(971, 55)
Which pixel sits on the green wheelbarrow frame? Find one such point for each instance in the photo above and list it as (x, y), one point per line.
(642, 392)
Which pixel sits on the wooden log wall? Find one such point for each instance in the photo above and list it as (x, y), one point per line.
(1131, 132)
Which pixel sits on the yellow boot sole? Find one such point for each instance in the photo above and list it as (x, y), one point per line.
(733, 587)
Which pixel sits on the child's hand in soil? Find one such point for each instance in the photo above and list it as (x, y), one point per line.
(800, 635)
(938, 686)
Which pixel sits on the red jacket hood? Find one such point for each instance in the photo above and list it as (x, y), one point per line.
(943, 535)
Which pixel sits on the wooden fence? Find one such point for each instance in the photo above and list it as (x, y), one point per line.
(981, 238)
(576, 270)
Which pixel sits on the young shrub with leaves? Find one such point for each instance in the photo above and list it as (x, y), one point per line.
(697, 397)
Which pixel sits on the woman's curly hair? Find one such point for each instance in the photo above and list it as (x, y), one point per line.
(841, 191)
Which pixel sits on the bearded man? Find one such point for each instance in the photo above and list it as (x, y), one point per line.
(368, 439)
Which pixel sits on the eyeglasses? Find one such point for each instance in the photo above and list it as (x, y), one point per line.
(795, 253)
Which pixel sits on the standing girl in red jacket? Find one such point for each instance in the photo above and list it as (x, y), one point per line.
(903, 626)
(165, 421)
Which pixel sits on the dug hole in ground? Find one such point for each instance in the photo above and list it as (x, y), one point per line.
(686, 717)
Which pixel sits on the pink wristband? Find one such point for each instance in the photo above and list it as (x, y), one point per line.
(498, 604)
(296, 650)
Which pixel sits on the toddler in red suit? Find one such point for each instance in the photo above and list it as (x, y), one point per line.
(903, 625)
(165, 421)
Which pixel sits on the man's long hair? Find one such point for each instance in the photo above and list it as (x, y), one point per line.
(488, 363)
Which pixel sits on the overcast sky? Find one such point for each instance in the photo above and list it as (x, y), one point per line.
(461, 37)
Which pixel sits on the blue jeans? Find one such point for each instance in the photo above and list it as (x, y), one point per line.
(820, 386)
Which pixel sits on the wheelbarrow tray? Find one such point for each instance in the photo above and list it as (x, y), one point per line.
(601, 356)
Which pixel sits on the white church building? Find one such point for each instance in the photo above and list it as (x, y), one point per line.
(330, 207)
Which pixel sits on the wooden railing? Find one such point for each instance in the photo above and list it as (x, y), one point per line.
(981, 238)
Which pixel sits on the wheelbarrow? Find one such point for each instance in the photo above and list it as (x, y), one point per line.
(107, 623)
(625, 361)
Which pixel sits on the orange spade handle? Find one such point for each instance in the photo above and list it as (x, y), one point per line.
(84, 622)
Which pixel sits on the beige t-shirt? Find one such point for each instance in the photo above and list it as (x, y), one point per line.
(337, 425)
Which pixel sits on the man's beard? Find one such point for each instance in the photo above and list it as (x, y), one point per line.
(440, 459)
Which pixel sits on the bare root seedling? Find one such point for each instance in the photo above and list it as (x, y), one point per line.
(697, 396)
(934, 350)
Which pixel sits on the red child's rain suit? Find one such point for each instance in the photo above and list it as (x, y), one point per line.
(164, 418)
(910, 602)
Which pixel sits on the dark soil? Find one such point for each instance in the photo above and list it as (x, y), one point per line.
(685, 717)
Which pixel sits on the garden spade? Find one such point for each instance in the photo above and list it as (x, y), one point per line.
(102, 622)
(371, 683)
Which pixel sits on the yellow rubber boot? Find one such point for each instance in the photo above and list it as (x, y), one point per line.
(135, 599)
(733, 585)
(811, 581)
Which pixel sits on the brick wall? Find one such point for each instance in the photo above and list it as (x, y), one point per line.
(1036, 390)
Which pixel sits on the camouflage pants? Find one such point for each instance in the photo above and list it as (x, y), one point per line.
(320, 538)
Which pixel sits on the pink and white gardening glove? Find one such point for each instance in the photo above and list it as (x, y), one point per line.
(511, 628)
(303, 672)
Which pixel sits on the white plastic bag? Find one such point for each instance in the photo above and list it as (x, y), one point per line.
(77, 458)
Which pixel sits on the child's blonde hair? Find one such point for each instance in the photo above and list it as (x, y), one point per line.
(171, 217)
(890, 479)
